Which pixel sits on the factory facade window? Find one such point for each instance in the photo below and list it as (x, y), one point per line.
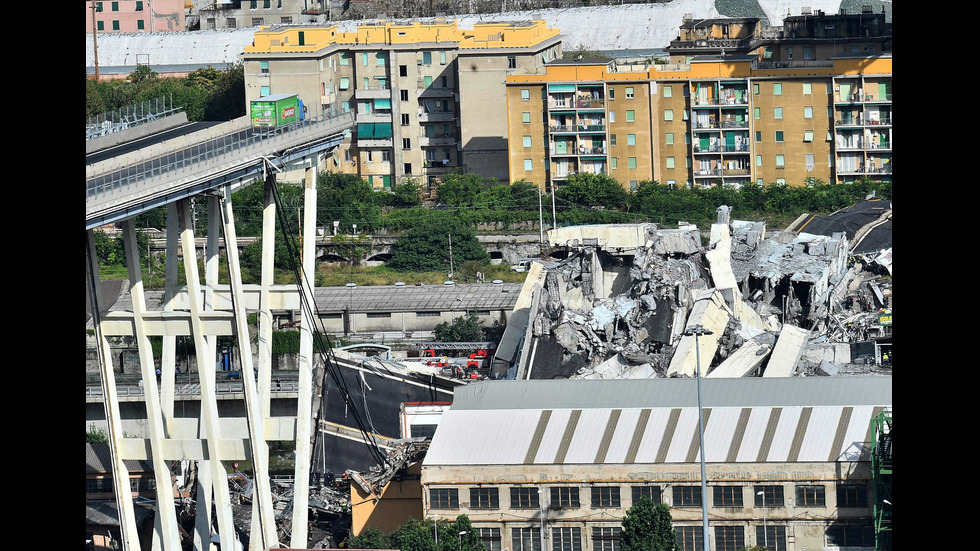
(525, 539)
(773, 536)
(524, 497)
(728, 496)
(566, 538)
(852, 495)
(490, 538)
(810, 495)
(651, 492)
(687, 496)
(729, 538)
(564, 496)
(444, 498)
(484, 498)
(606, 538)
(772, 496)
(689, 538)
(605, 496)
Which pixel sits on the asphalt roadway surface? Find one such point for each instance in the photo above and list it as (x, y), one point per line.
(850, 220)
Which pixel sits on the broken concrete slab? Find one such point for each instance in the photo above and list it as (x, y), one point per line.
(787, 352)
(711, 312)
(746, 360)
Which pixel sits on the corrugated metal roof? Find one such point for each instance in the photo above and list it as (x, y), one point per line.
(814, 419)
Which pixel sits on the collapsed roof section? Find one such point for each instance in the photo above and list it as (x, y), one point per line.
(619, 303)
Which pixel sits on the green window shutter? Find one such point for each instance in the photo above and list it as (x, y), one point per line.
(882, 90)
(428, 82)
(382, 103)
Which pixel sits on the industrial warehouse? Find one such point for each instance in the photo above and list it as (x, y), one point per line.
(556, 464)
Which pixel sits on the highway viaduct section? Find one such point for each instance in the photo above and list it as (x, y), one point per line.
(208, 165)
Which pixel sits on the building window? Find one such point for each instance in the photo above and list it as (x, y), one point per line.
(728, 496)
(378, 315)
(630, 115)
(265, 91)
(528, 164)
(422, 431)
(140, 24)
(444, 498)
(525, 539)
(689, 538)
(779, 135)
(807, 88)
(758, 136)
(115, 6)
(404, 117)
(810, 495)
(98, 7)
(286, 20)
(651, 492)
(629, 92)
(773, 537)
(631, 162)
(808, 135)
(527, 141)
(428, 81)
(134, 485)
(100, 25)
(258, 21)
(606, 538)
(526, 117)
(407, 168)
(612, 139)
(807, 52)
(403, 95)
(758, 113)
(755, 89)
(729, 538)
(758, 160)
(781, 181)
(524, 497)
(406, 143)
(484, 498)
(344, 83)
(511, 62)
(850, 535)
(669, 138)
(772, 496)
(139, 5)
(777, 87)
(668, 91)
(810, 161)
(525, 95)
(605, 496)
(612, 93)
(630, 138)
(427, 58)
(264, 67)
(564, 497)
(566, 539)
(614, 163)
(780, 161)
(670, 162)
(687, 496)
(430, 314)
(777, 112)
(442, 58)
(633, 185)
(344, 58)
(490, 538)
(807, 112)
(668, 114)
(115, 24)
(612, 116)
(382, 58)
(852, 495)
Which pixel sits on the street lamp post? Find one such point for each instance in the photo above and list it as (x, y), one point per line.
(765, 532)
(461, 538)
(698, 331)
(435, 529)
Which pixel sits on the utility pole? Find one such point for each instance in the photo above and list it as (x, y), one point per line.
(540, 218)
(95, 43)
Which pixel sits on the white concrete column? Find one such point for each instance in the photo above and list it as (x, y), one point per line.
(304, 408)
(168, 360)
(265, 537)
(209, 405)
(165, 529)
(120, 474)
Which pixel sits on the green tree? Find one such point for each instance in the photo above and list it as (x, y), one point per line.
(462, 329)
(648, 527)
(426, 245)
(370, 538)
(458, 189)
(594, 190)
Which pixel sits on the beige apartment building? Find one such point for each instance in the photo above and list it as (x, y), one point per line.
(714, 120)
(427, 96)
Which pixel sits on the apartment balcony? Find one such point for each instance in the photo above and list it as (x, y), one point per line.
(439, 167)
(441, 141)
(710, 125)
(863, 98)
(722, 148)
(850, 145)
(433, 93)
(372, 93)
(591, 103)
(735, 124)
(591, 128)
(449, 116)
(562, 128)
(376, 116)
(564, 103)
(592, 151)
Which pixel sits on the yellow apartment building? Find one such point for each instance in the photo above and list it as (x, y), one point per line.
(427, 96)
(717, 119)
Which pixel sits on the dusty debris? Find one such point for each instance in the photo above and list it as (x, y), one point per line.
(614, 310)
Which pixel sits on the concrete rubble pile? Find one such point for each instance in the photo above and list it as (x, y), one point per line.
(618, 313)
